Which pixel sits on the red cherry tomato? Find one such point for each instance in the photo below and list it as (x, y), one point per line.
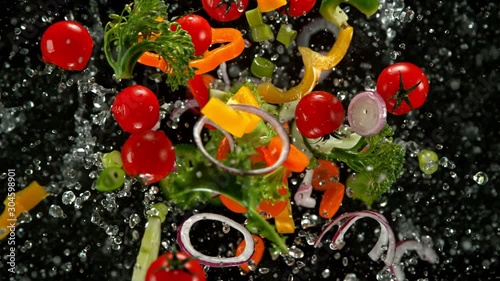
(136, 109)
(225, 10)
(200, 31)
(300, 8)
(179, 268)
(149, 155)
(67, 44)
(403, 86)
(318, 114)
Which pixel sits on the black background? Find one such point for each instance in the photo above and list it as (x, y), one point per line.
(455, 42)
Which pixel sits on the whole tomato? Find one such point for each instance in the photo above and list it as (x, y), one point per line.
(319, 113)
(149, 155)
(403, 86)
(67, 44)
(225, 10)
(298, 8)
(200, 31)
(177, 266)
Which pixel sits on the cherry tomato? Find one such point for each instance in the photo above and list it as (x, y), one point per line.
(299, 8)
(225, 10)
(149, 155)
(324, 175)
(67, 44)
(180, 267)
(136, 109)
(318, 114)
(403, 86)
(200, 31)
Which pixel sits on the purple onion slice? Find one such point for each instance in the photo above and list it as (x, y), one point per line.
(367, 113)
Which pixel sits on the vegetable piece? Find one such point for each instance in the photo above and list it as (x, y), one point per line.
(265, 6)
(331, 11)
(286, 35)
(232, 205)
(303, 195)
(428, 161)
(262, 67)
(325, 175)
(200, 31)
(377, 158)
(196, 179)
(424, 252)
(227, 118)
(112, 159)
(386, 239)
(284, 221)
(319, 114)
(136, 109)
(148, 155)
(225, 10)
(327, 143)
(150, 244)
(367, 113)
(199, 90)
(314, 63)
(261, 32)
(137, 30)
(257, 254)
(110, 179)
(331, 200)
(296, 161)
(266, 117)
(178, 266)
(297, 8)
(403, 86)
(254, 17)
(17, 203)
(245, 96)
(184, 241)
(67, 44)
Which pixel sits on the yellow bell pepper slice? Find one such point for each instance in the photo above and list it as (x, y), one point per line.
(314, 64)
(225, 117)
(245, 96)
(265, 6)
(284, 221)
(15, 204)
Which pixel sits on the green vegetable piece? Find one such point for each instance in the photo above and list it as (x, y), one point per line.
(331, 11)
(112, 159)
(358, 186)
(137, 30)
(150, 247)
(262, 67)
(254, 17)
(428, 161)
(261, 32)
(158, 210)
(286, 35)
(110, 179)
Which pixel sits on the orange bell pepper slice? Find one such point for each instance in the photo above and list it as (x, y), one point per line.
(211, 59)
(22, 201)
(257, 254)
(265, 6)
(331, 200)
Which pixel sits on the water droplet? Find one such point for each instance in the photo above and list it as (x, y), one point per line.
(134, 220)
(56, 211)
(481, 178)
(225, 228)
(68, 197)
(295, 252)
(351, 277)
(326, 273)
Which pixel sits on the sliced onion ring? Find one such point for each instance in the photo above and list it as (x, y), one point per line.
(386, 234)
(424, 252)
(367, 113)
(267, 117)
(184, 241)
(303, 195)
(176, 113)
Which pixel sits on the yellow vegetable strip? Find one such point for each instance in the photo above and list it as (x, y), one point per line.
(284, 220)
(225, 117)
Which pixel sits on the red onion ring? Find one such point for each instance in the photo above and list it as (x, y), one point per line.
(386, 234)
(424, 252)
(267, 117)
(176, 113)
(303, 195)
(184, 241)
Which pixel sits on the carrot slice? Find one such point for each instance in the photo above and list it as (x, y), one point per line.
(331, 200)
(324, 175)
(297, 161)
(257, 254)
